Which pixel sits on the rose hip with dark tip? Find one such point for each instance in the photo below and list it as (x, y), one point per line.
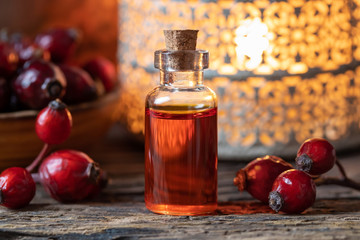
(258, 176)
(80, 86)
(104, 70)
(60, 42)
(53, 123)
(17, 188)
(100, 185)
(39, 83)
(69, 176)
(316, 156)
(293, 192)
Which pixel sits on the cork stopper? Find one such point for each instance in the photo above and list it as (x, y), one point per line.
(180, 53)
(180, 39)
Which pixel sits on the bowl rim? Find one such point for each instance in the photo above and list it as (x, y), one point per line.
(96, 103)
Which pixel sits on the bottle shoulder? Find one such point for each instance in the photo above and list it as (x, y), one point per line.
(196, 91)
(197, 97)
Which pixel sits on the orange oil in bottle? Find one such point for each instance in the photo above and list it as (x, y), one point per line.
(181, 162)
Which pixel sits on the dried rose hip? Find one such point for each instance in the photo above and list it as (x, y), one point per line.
(293, 192)
(258, 176)
(17, 188)
(69, 176)
(316, 156)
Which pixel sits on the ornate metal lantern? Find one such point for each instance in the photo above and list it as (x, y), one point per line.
(284, 71)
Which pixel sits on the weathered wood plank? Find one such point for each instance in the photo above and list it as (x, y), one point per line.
(328, 219)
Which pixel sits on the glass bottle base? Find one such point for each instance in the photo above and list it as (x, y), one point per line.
(182, 210)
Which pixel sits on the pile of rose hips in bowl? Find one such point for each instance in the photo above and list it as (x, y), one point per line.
(275, 182)
(67, 175)
(38, 74)
(35, 71)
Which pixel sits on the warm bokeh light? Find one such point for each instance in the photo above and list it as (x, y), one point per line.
(283, 71)
(251, 41)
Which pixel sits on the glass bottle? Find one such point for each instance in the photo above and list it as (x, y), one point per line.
(181, 137)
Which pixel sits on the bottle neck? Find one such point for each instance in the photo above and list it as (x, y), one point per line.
(181, 78)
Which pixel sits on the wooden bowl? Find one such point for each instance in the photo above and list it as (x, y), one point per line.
(19, 144)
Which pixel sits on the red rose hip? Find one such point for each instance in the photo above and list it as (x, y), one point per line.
(104, 70)
(315, 156)
(293, 192)
(53, 123)
(60, 42)
(27, 50)
(80, 86)
(259, 175)
(17, 188)
(69, 176)
(39, 83)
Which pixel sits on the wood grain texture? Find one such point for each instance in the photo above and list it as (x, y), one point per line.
(119, 212)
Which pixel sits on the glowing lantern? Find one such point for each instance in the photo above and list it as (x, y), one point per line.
(283, 71)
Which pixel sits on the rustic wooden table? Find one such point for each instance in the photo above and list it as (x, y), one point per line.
(120, 213)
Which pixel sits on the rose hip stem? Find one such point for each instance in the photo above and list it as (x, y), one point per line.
(39, 158)
(341, 169)
(345, 181)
